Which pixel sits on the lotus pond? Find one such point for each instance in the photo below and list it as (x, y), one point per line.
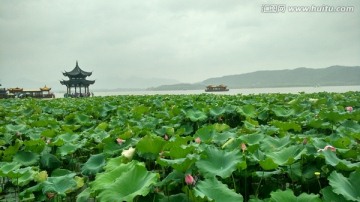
(208, 147)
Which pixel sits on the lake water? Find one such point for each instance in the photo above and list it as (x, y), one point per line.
(244, 91)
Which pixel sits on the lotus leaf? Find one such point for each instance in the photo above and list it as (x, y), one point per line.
(93, 165)
(49, 161)
(150, 144)
(347, 187)
(26, 158)
(248, 111)
(218, 162)
(213, 190)
(125, 182)
(330, 196)
(288, 195)
(196, 115)
(288, 155)
(60, 185)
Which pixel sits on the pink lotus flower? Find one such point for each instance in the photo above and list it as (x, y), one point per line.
(120, 141)
(189, 180)
(198, 140)
(349, 109)
(328, 147)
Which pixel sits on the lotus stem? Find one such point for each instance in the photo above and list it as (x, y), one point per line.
(233, 179)
(257, 189)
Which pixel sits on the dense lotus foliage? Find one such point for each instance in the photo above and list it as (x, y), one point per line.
(208, 147)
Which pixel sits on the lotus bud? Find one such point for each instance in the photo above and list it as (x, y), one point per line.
(305, 141)
(120, 141)
(198, 140)
(189, 180)
(243, 147)
(166, 137)
(128, 153)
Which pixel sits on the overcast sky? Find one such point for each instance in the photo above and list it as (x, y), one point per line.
(182, 40)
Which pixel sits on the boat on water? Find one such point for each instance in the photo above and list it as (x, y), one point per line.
(213, 88)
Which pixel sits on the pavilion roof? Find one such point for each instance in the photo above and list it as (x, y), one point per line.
(77, 81)
(45, 88)
(77, 72)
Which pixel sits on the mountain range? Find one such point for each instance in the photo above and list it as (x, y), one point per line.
(330, 76)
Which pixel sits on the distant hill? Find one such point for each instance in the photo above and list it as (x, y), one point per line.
(330, 76)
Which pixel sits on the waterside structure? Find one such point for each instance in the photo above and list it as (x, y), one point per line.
(17, 92)
(78, 82)
(219, 88)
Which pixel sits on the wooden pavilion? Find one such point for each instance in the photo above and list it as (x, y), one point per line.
(77, 80)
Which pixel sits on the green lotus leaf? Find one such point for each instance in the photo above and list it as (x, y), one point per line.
(330, 196)
(67, 148)
(252, 139)
(222, 138)
(16, 128)
(341, 164)
(206, 133)
(62, 172)
(94, 164)
(23, 176)
(7, 167)
(8, 153)
(150, 144)
(288, 155)
(174, 198)
(268, 164)
(125, 182)
(270, 144)
(196, 115)
(26, 158)
(218, 162)
(49, 162)
(217, 111)
(280, 111)
(180, 151)
(286, 126)
(248, 111)
(347, 187)
(213, 190)
(332, 116)
(172, 179)
(48, 133)
(67, 137)
(59, 185)
(82, 119)
(36, 146)
(102, 126)
(113, 163)
(99, 136)
(221, 127)
(288, 195)
(180, 164)
(84, 196)
(139, 111)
